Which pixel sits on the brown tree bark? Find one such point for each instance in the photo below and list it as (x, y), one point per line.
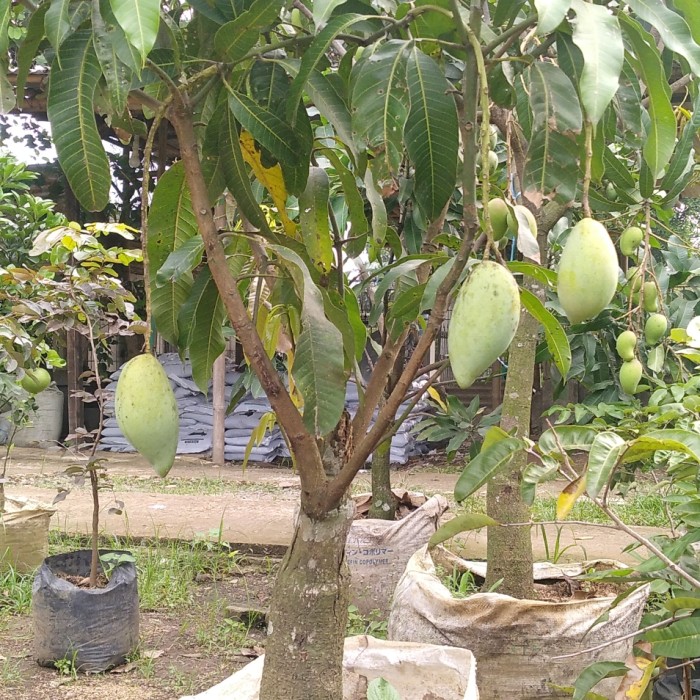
(308, 612)
(509, 550)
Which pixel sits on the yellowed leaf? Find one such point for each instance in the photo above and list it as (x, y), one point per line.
(435, 396)
(569, 496)
(271, 179)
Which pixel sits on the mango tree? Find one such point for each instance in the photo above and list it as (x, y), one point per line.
(316, 140)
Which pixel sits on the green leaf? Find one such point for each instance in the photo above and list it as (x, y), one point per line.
(680, 640)
(140, 20)
(489, 462)
(171, 223)
(379, 215)
(117, 75)
(181, 262)
(57, 24)
(318, 368)
(431, 133)
(571, 437)
(684, 441)
(550, 14)
(202, 319)
(70, 110)
(595, 673)
(267, 128)
(553, 99)
(689, 8)
(552, 165)
(326, 97)
(661, 138)
(313, 219)
(236, 174)
(597, 34)
(404, 309)
(542, 274)
(682, 154)
(617, 170)
(380, 103)
(359, 226)
(672, 28)
(379, 688)
(555, 335)
(236, 38)
(30, 44)
(604, 456)
(675, 605)
(462, 523)
(313, 55)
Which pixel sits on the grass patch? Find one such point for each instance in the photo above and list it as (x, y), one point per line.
(10, 673)
(15, 592)
(639, 510)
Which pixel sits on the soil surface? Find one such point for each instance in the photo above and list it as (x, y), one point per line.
(185, 651)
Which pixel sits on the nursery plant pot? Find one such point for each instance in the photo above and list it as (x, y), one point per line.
(416, 671)
(377, 552)
(24, 533)
(515, 642)
(94, 628)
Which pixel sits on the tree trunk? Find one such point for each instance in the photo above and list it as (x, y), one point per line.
(308, 612)
(383, 506)
(509, 550)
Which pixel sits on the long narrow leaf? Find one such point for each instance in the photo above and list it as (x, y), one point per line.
(597, 34)
(602, 459)
(82, 156)
(489, 462)
(557, 342)
(431, 133)
(462, 523)
(140, 20)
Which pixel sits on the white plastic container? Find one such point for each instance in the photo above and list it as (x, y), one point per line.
(45, 425)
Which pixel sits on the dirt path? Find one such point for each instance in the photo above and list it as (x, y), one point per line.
(253, 510)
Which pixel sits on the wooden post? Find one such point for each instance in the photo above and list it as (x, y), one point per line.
(219, 387)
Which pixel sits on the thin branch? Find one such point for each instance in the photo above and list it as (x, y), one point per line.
(508, 33)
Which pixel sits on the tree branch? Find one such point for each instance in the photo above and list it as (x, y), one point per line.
(302, 443)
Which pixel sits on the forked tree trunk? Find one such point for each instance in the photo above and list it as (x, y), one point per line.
(308, 613)
(509, 550)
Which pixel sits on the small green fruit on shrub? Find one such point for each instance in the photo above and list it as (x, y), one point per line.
(655, 328)
(626, 343)
(35, 380)
(498, 214)
(630, 374)
(630, 240)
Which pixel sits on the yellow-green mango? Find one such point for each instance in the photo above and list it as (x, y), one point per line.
(630, 240)
(626, 343)
(655, 328)
(146, 411)
(498, 215)
(650, 297)
(484, 320)
(587, 271)
(630, 374)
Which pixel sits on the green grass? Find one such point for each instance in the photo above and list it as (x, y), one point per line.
(10, 674)
(645, 510)
(167, 569)
(15, 592)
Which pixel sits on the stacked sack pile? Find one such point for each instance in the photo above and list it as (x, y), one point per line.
(196, 414)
